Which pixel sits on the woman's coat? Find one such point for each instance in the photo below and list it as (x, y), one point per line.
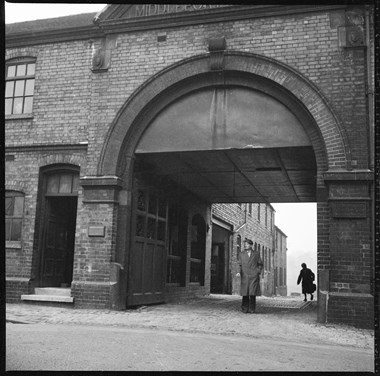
(250, 269)
(307, 278)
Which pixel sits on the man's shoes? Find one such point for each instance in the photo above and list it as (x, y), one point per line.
(305, 300)
(244, 309)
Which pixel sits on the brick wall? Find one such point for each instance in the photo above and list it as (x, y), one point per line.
(88, 102)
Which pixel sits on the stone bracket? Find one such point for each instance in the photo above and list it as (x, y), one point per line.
(351, 30)
(101, 57)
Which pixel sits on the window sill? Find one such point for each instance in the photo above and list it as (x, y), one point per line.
(13, 244)
(19, 117)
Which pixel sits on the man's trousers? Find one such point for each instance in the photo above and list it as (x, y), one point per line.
(248, 303)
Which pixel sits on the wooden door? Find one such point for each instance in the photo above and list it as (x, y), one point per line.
(147, 267)
(217, 269)
(59, 239)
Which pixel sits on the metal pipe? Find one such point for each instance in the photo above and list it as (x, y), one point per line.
(369, 93)
(371, 125)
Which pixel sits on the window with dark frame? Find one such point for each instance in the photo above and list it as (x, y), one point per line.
(238, 246)
(198, 248)
(19, 87)
(14, 214)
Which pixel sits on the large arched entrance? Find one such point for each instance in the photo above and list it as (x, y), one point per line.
(249, 130)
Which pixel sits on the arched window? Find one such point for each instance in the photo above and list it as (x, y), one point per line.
(198, 248)
(14, 213)
(19, 86)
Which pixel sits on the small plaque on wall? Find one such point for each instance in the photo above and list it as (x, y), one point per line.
(349, 209)
(96, 231)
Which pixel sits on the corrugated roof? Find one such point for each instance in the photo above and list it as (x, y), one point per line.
(58, 23)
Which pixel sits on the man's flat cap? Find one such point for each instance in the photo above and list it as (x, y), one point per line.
(249, 241)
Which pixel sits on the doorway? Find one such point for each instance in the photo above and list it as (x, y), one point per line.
(59, 241)
(220, 263)
(58, 213)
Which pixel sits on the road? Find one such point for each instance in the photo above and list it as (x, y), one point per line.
(106, 348)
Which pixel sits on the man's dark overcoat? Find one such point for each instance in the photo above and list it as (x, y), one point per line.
(250, 269)
(307, 278)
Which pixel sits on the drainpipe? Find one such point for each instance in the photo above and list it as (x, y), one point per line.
(371, 125)
(369, 90)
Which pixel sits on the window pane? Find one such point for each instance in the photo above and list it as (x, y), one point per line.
(11, 71)
(19, 206)
(75, 183)
(17, 105)
(31, 69)
(141, 200)
(21, 70)
(8, 205)
(28, 105)
(152, 204)
(151, 230)
(29, 88)
(8, 106)
(19, 91)
(16, 229)
(8, 223)
(9, 86)
(52, 184)
(65, 183)
(162, 208)
(140, 226)
(161, 230)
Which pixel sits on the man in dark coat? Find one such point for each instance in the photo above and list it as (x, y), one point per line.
(307, 278)
(250, 267)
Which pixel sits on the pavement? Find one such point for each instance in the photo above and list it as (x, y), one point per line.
(282, 318)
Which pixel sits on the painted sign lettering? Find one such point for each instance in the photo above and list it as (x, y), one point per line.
(146, 10)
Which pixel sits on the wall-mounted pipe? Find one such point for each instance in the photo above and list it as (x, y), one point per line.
(369, 89)
(371, 125)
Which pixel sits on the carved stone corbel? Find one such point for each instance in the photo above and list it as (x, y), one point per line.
(216, 48)
(101, 57)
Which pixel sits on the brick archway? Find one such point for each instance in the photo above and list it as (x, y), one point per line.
(303, 97)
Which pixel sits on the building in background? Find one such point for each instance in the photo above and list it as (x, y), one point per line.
(232, 223)
(123, 128)
(280, 262)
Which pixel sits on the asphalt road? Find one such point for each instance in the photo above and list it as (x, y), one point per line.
(81, 348)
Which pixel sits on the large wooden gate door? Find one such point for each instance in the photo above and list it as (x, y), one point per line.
(147, 266)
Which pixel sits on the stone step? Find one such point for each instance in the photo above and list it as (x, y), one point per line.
(56, 291)
(48, 298)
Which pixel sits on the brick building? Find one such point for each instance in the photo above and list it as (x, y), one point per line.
(232, 223)
(280, 262)
(123, 128)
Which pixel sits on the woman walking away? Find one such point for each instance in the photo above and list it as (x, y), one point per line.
(307, 278)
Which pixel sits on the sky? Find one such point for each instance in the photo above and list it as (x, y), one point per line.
(297, 221)
(19, 12)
